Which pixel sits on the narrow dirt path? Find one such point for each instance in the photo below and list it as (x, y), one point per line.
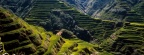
(60, 32)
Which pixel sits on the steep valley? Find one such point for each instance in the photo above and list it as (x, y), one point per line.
(90, 7)
(72, 27)
(104, 9)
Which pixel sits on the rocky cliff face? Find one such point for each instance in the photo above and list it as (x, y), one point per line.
(19, 7)
(89, 7)
(104, 9)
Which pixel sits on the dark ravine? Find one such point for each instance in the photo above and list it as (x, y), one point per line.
(90, 7)
(104, 9)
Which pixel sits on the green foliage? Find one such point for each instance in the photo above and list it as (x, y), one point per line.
(34, 40)
(123, 35)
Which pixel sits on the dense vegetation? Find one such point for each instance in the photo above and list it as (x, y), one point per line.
(118, 31)
(18, 37)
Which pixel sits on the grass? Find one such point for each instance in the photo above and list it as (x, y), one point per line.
(26, 45)
(137, 24)
(53, 40)
(75, 46)
(82, 45)
(130, 37)
(65, 46)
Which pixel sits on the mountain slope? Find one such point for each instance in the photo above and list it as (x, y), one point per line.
(123, 36)
(90, 7)
(19, 37)
(131, 36)
(104, 9)
(129, 39)
(54, 15)
(119, 9)
(19, 7)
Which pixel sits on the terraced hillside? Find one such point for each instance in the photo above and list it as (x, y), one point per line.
(118, 10)
(131, 37)
(129, 40)
(104, 9)
(18, 37)
(89, 7)
(54, 15)
(123, 36)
